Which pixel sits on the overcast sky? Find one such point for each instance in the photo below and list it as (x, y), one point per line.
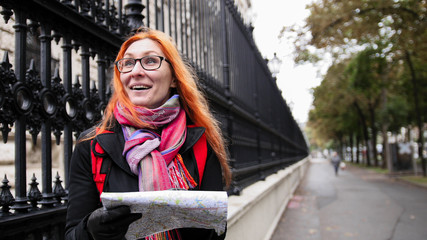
(294, 81)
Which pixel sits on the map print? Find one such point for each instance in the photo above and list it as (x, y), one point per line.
(170, 209)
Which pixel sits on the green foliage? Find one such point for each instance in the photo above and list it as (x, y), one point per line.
(370, 41)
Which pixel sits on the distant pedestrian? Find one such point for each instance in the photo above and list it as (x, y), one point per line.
(336, 160)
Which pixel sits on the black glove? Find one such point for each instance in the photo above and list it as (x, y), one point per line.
(111, 223)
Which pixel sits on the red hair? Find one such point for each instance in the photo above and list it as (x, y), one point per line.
(191, 98)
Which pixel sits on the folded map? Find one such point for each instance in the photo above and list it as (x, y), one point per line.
(170, 209)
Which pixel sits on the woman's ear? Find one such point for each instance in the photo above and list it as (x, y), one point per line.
(173, 83)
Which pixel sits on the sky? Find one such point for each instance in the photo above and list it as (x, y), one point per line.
(269, 16)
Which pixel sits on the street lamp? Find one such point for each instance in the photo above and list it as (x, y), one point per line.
(274, 65)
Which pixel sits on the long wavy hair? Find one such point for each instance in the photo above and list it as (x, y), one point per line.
(191, 98)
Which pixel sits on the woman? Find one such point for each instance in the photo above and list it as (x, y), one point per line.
(146, 135)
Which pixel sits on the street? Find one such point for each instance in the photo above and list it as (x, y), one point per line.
(356, 204)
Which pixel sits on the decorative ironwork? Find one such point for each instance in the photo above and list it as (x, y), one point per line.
(7, 111)
(134, 17)
(6, 198)
(6, 12)
(58, 190)
(34, 194)
(79, 124)
(32, 80)
(61, 114)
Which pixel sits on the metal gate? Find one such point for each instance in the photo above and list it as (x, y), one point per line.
(50, 99)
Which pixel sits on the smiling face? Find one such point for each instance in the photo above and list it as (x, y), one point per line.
(145, 88)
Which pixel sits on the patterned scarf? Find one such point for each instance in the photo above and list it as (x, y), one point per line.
(153, 157)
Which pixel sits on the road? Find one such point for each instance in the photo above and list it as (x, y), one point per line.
(356, 204)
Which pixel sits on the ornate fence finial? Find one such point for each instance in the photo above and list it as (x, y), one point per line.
(133, 11)
(34, 194)
(6, 198)
(7, 13)
(58, 190)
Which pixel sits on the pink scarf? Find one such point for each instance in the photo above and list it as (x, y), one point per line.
(153, 157)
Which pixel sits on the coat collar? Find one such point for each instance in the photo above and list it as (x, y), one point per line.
(193, 135)
(113, 144)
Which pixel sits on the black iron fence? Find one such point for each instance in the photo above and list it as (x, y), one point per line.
(48, 99)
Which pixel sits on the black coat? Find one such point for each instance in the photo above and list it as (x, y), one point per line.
(84, 196)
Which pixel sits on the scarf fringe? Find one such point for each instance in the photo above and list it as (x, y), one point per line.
(168, 235)
(179, 175)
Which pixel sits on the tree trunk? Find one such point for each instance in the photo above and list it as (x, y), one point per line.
(357, 148)
(386, 163)
(341, 146)
(374, 135)
(365, 132)
(386, 151)
(350, 142)
(417, 112)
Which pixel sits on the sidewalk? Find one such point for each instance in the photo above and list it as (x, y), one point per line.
(357, 204)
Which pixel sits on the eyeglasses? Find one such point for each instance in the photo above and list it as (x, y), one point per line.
(149, 63)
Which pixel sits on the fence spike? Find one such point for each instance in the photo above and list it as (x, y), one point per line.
(58, 190)
(77, 82)
(6, 198)
(56, 36)
(7, 13)
(93, 86)
(5, 63)
(5, 130)
(56, 78)
(34, 194)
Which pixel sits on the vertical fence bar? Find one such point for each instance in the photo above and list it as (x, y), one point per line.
(196, 33)
(163, 15)
(218, 44)
(175, 21)
(21, 204)
(107, 20)
(85, 70)
(147, 13)
(191, 37)
(102, 63)
(120, 16)
(186, 30)
(67, 81)
(182, 27)
(156, 14)
(169, 18)
(205, 29)
(211, 44)
(45, 55)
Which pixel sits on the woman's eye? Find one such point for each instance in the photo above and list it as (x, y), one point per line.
(128, 63)
(150, 60)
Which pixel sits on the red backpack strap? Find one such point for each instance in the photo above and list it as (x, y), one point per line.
(200, 150)
(97, 161)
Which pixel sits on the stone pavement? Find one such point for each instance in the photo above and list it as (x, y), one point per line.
(356, 204)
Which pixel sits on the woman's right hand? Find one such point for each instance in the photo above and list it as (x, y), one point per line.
(111, 224)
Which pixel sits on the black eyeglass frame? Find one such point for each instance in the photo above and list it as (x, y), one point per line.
(140, 62)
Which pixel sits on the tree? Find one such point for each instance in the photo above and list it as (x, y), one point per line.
(330, 118)
(344, 27)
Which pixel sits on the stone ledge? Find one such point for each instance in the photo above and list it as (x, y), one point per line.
(255, 213)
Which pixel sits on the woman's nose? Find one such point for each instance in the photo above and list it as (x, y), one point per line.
(138, 69)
